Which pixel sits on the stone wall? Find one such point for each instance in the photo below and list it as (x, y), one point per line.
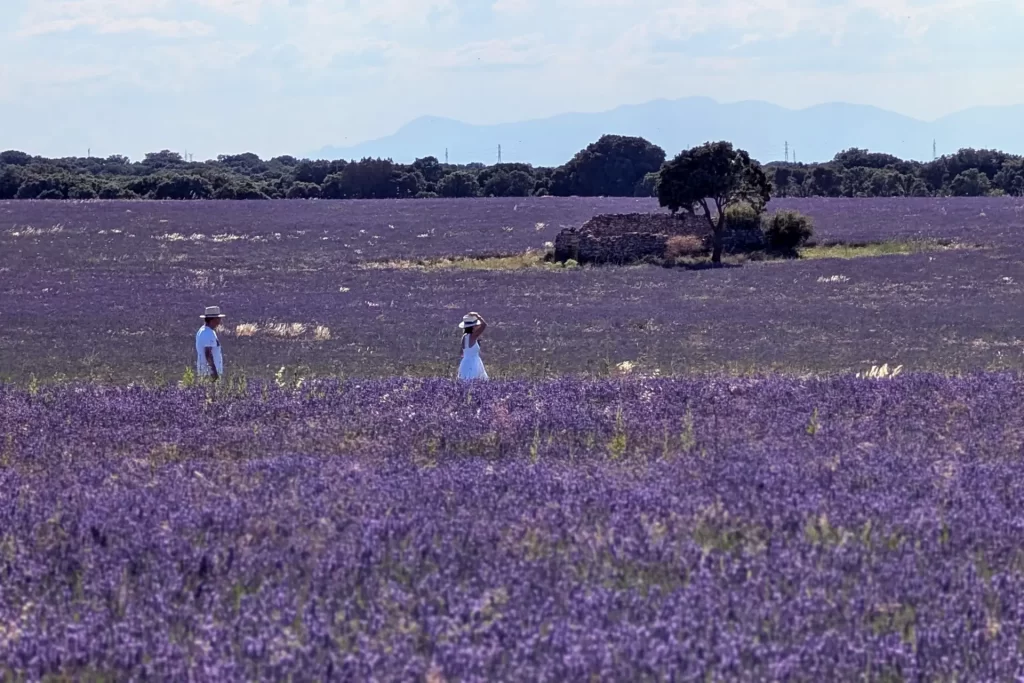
(627, 238)
(621, 249)
(614, 224)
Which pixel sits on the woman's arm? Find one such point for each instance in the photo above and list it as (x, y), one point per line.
(479, 329)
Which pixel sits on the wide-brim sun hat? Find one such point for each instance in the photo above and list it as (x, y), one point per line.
(469, 321)
(212, 312)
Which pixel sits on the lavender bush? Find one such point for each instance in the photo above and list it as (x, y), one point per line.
(645, 530)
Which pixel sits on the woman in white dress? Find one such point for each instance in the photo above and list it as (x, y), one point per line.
(472, 367)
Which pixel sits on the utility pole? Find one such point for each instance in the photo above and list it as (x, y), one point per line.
(445, 156)
(935, 154)
(88, 154)
(499, 154)
(794, 155)
(787, 151)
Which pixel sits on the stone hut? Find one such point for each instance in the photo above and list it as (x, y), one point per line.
(632, 237)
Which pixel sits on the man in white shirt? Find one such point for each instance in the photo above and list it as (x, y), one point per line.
(209, 361)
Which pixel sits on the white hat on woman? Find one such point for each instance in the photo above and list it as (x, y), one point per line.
(468, 320)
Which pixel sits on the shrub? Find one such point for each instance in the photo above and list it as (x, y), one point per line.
(742, 216)
(240, 190)
(683, 245)
(459, 184)
(11, 178)
(81, 192)
(116, 192)
(647, 186)
(426, 195)
(181, 186)
(301, 190)
(786, 231)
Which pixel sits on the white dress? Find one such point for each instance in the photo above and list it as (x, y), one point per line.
(471, 367)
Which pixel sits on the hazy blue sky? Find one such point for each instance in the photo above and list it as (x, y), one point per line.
(288, 76)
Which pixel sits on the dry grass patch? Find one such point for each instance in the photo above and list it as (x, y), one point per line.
(894, 248)
(683, 245)
(30, 231)
(527, 260)
(199, 237)
(286, 330)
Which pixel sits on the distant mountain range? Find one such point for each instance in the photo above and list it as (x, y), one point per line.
(814, 134)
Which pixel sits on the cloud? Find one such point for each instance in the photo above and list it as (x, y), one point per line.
(513, 7)
(248, 11)
(521, 51)
(324, 29)
(106, 16)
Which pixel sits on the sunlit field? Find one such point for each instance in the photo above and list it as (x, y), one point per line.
(801, 469)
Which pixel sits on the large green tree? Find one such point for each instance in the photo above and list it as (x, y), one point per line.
(459, 184)
(611, 167)
(713, 177)
(970, 183)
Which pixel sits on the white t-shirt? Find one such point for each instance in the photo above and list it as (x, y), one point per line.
(207, 338)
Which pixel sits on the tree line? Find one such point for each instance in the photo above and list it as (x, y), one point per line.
(615, 165)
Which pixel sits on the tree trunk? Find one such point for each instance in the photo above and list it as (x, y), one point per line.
(716, 251)
(718, 237)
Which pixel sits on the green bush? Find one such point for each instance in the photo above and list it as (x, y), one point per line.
(113, 191)
(81, 192)
(786, 231)
(742, 216)
(301, 190)
(240, 190)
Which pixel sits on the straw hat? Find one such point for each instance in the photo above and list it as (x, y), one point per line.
(468, 320)
(212, 312)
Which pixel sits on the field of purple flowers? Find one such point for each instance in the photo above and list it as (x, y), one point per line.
(110, 291)
(369, 526)
(778, 529)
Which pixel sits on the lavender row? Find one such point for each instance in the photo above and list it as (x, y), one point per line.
(648, 530)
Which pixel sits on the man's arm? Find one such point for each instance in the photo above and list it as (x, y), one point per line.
(208, 351)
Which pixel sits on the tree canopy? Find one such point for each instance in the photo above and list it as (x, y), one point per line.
(613, 166)
(713, 173)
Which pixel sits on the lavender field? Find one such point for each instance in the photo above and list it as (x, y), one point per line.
(110, 290)
(753, 530)
(755, 513)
